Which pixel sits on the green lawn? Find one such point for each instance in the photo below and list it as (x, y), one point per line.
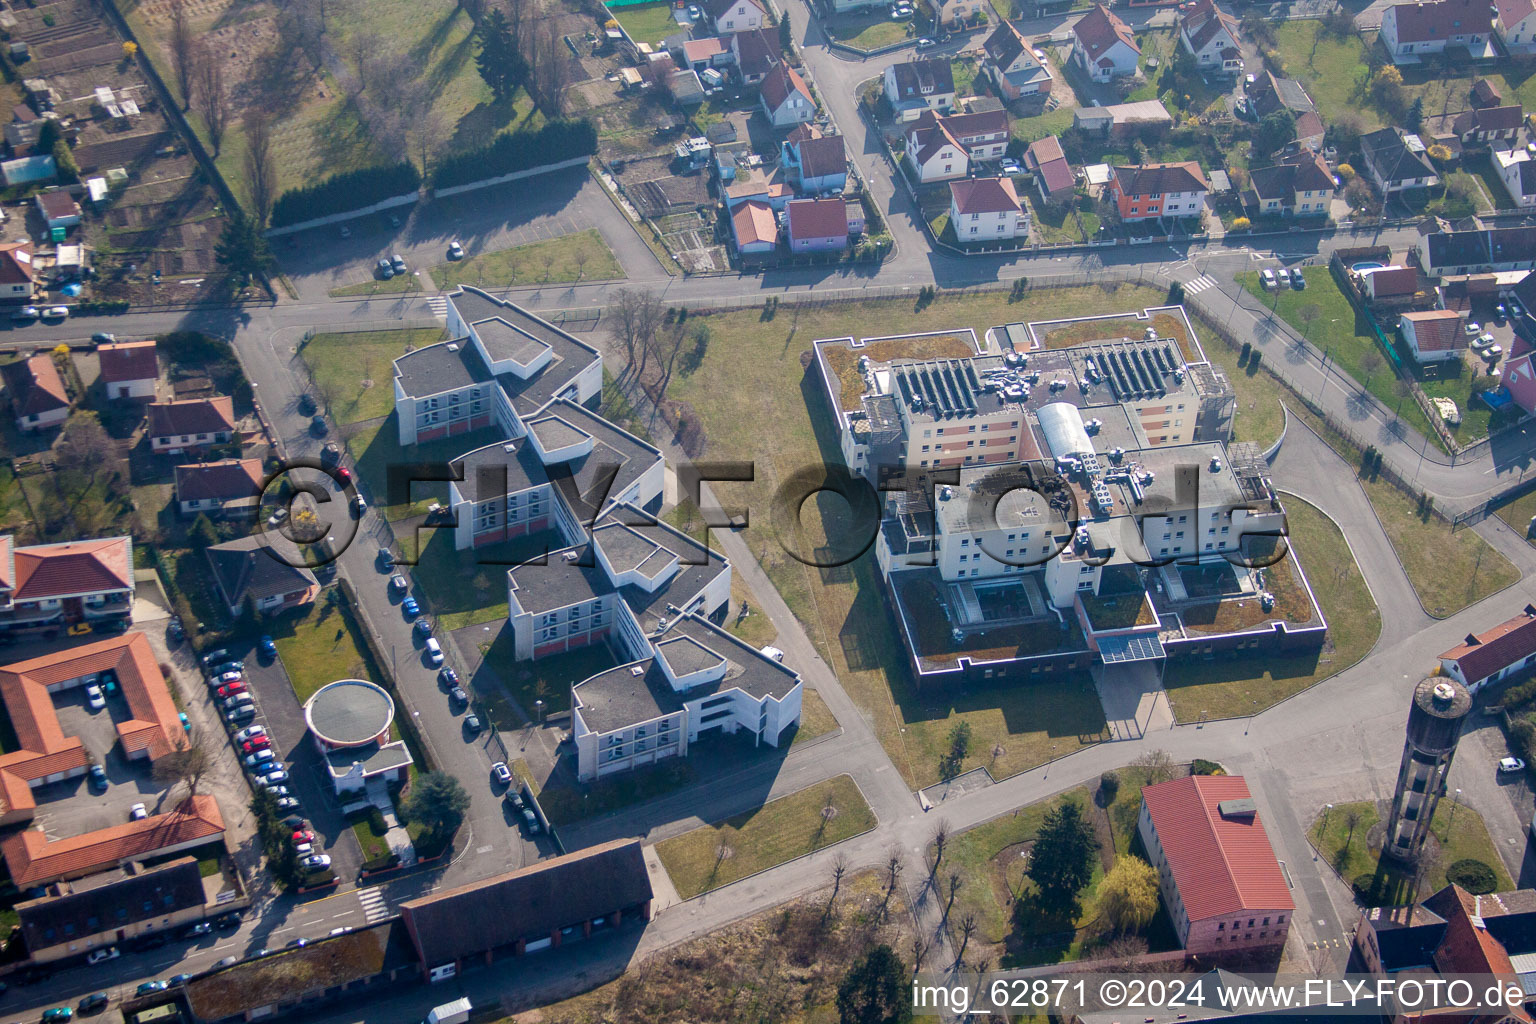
(548, 679)
(1339, 835)
(1455, 379)
(375, 847)
(647, 23)
(964, 73)
(1219, 689)
(318, 646)
(1029, 129)
(375, 449)
(1518, 514)
(779, 831)
(582, 256)
(355, 370)
(867, 31)
(1058, 222)
(15, 517)
(468, 587)
(816, 719)
(395, 285)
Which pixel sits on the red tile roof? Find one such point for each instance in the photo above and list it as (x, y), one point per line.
(192, 416)
(227, 480)
(33, 859)
(753, 221)
(695, 50)
(1220, 865)
(756, 51)
(1437, 330)
(1480, 655)
(1099, 29)
(16, 264)
(1046, 158)
(984, 195)
(1389, 282)
(35, 386)
(7, 563)
(128, 360)
(924, 142)
(779, 83)
(73, 567)
(818, 218)
(1202, 20)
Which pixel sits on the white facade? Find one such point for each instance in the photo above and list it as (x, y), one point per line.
(1516, 173)
(936, 100)
(142, 388)
(740, 16)
(945, 163)
(992, 225)
(43, 420)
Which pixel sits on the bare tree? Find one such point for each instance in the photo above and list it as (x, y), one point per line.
(580, 257)
(1351, 822)
(954, 890)
(1308, 314)
(1371, 362)
(368, 52)
(260, 169)
(425, 132)
(839, 869)
(185, 766)
(1158, 765)
(212, 97)
(919, 950)
(634, 317)
(183, 50)
(967, 929)
(940, 839)
(84, 447)
(548, 70)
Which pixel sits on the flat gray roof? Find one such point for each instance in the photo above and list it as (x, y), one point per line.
(502, 340)
(446, 366)
(349, 711)
(496, 470)
(375, 758)
(570, 356)
(616, 461)
(554, 432)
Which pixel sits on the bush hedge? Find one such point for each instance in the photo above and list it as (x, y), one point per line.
(350, 190)
(510, 152)
(1472, 875)
(1200, 766)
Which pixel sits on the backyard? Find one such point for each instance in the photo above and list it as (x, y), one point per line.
(354, 372)
(582, 256)
(647, 23)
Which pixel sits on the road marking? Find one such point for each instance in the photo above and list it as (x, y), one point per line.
(438, 304)
(1199, 284)
(375, 907)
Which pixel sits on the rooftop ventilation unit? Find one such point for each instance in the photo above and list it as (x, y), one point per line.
(637, 670)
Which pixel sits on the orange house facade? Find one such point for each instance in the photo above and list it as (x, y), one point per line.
(1159, 190)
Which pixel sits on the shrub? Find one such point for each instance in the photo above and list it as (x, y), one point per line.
(1472, 875)
(1200, 766)
(518, 151)
(350, 190)
(1109, 786)
(1241, 224)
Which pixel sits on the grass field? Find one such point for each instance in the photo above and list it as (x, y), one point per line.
(779, 831)
(396, 285)
(1518, 514)
(375, 449)
(1259, 416)
(318, 646)
(1218, 689)
(355, 372)
(583, 256)
(648, 23)
(867, 31)
(1028, 129)
(464, 588)
(752, 375)
(1339, 835)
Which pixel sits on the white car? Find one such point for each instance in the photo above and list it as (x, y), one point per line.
(1039, 54)
(259, 758)
(56, 313)
(434, 651)
(1493, 351)
(315, 862)
(1473, 329)
(101, 956)
(94, 697)
(250, 733)
(771, 652)
(1267, 276)
(1510, 765)
(137, 811)
(277, 517)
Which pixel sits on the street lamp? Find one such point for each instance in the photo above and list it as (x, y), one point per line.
(1455, 799)
(1327, 809)
(538, 708)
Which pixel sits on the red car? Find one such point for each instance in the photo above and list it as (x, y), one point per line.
(252, 745)
(303, 836)
(343, 474)
(230, 689)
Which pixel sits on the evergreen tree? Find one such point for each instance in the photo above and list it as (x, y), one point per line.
(203, 534)
(1062, 861)
(499, 62)
(874, 990)
(242, 249)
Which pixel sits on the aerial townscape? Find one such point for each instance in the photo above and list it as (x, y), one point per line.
(764, 511)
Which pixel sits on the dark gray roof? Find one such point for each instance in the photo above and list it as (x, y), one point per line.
(1390, 155)
(529, 903)
(261, 565)
(1458, 248)
(618, 458)
(375, 758)
(618, 697)
(350, 712)
(117, 901)
(555, 432)
(627, 549)
(502, 340)
(499, 469)
(570, 356)
(443, 367)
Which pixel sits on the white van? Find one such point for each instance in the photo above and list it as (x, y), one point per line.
(434, 651)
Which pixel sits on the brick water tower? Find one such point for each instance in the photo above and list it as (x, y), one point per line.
(1434, 727)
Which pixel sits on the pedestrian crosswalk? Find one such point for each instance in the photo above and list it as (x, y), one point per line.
(1199, 284)
(438, 304)
(375, 907)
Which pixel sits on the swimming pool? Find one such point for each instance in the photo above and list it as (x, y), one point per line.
(1365, 266)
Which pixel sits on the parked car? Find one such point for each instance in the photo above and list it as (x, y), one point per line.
(58, 1013)
(315, 862)
(1298, 281)
(137, 811)
(501, 773)
(472, 724)
(330, 455)
(228, 961)
(215, 657)
(56, 313)
(925, 43)
(303, 836)
(1267, 278)
(385, 269)
(1473, 329)
(458, 696)
(359, 505)
(386, 558)
(201, 928)
(229, 666)
(343, 475)
(103, 338)
(303, 849)
(229, 920)
(1515, 309)
(259, 757)
(225, 678)
(250, 733)
(1493, 351)
(180, 979)
(98, 778)
(101, 956)
(398, 263)
(239, 700)
(772, 652)
(531, 820)
(267, 646)
(317, 426)
(287, 804)
(250, 746)
(22, 315)
(455, 250)
(94, 1003)
(422, 627)
(448, 677)
(434, 651)
(149, 988)
(514, 798)
(410, 608)
(94, 698)
(398, 583)
(296, 943)
(232, 689)
(244, 713)
(276, 776)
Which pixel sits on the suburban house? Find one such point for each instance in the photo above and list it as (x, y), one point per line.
(751, 185)
(1012, 65)
(1103, 46)
(226, 487)
(129, 369)
(1159, 190)
(1389, 285)
(920, 85)
(786, 98)
(817, 225)
(1520, 367)
(755, 228)
(755, 53)
(1299, 187)
(1515, 23)
(1433, 335)
(935, 154)
(983, 135)
(1122, 120)
(1270, 93)
(1413, 31)
(986, 210)
(534, 908)
(47, 586)
(1517, 173)
(736, 15)
(58, 210)
(1494, 654)
(1209, 34)
(1487, 125)
(18, 275)
(77, 917)
(955, 13)
(1450, 933)
(1477, 250)
(265, 568)
(190, 425)
(1217, 870)
(36, 392)
(1053, 174)
(708, 52)
(692, 676)
(1397, 160)
(36, 860)
(814, 162)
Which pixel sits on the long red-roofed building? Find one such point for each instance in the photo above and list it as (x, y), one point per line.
(46, 586)
(34, 859)
(1493, 654)
(1219, 876)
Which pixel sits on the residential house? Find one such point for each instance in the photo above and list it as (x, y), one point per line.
(1152, 191)
(755, 53)
(986, 210)
(191, 425)
(815, 163)
(786, 98)
(1220, 880)
(1053, 174)
(751, 185)
(1494, 654)
(58, 210)
(48, 586)
(1520, 364)
(1122, 120)
(1474, 250)
(708, 52)
(227, 487)
(18, 275)
(129, 369)
(920, 85)
(267, 569)
(1396, 160)
(1209, 34)
(1487, 125)
(934, 153)
(34, 859)
(1103, 46)
(38, 398)
(817, 225)
(1413, 31)
(1301, 186)
(1517, 173)
(72, 919)
(692, 677)
(1434, 335)
(1389, 285)
(1515, 25)
(534, 908)
(736, 15)
(1270, 93)
(1012, 65)
(956, 13)
(755, 227)
(983, 135)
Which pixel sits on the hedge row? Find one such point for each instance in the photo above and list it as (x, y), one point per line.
(350, 190)
(518, 151)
